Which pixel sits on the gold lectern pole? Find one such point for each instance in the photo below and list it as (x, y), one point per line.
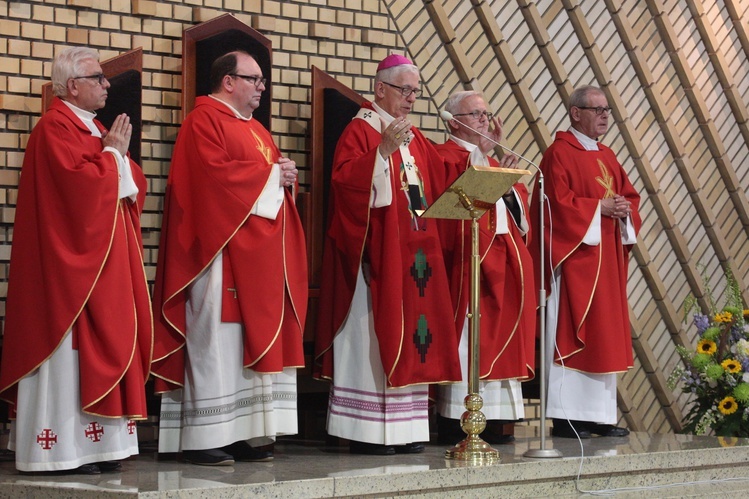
(473, 421)
(485, 185)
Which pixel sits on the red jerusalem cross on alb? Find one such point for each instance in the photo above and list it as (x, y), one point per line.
(46, 439)
(130, 426)
(94, 431)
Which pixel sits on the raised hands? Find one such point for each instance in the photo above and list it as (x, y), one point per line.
(494, 133)
(397, 133)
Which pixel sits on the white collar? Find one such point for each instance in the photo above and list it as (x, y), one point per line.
(236, 113)
(585, 141)
(87, 117)
(81, 113)
(468, 146)
(383, 114)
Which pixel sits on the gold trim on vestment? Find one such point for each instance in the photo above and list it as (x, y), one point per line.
(587, 309)
(287, 289)
(283, 291)
(361, 251)
(589, 372)
(188, 283)
(121, 213)
(520, 310)
(606, 180)
(85, 301)
(394, 190)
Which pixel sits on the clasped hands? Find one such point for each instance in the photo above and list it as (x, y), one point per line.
(616, 207)
(289, 172)
(118, 136)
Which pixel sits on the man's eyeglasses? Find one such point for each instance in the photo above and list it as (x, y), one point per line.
(599, 109)
(255, 80)
(99, 78)
(405, 91)
(477, 115)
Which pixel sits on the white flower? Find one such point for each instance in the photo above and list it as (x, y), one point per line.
(742, 348)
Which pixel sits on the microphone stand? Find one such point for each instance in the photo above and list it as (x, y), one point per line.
(542, 452)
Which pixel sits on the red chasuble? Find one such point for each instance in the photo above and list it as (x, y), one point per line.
(413, 315)
(507, 299)
(220, 165)
(77, 262)
(593, 333)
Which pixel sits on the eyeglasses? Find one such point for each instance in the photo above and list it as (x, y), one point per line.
(598, 109)
(405, 91)
(255, 80)
(99, 77)
(477, 115)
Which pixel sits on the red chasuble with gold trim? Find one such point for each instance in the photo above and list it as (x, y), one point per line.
(508, 297)
(77, 262)
(220, 166)
(593, 332)
(413, 315)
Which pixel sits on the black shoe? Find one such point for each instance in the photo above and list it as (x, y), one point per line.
(208, 457)
(449, 431)
(496, 439)
(607, 430)
(494, 432)
(356, 447)
(84, 469)
(412, 448)
(566, 429)
(242, 451)
(109, 466)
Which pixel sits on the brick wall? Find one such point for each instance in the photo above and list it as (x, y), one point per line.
(343, 37)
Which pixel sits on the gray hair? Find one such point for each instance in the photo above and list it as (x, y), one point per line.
(452, 105)
(67, 65)
(390, 73)
(579, 97)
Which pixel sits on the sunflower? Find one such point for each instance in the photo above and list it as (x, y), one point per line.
(728, 406)
(731, 366)
(707, 346)
(723, 317)
(728, 441)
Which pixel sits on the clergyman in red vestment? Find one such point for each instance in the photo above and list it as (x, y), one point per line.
(594, 221)
(230, 298)
(507, 295)
(385, 328)
(78, 330)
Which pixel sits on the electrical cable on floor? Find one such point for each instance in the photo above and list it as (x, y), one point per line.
(603, 492)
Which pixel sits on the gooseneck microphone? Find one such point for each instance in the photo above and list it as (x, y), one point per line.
(448, 116)
(543, 451)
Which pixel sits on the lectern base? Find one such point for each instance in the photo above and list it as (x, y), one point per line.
(542, 453)
(473, 449)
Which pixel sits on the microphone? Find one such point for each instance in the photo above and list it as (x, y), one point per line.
(448, 116)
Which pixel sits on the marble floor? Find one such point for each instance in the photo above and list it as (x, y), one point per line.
(668, 465)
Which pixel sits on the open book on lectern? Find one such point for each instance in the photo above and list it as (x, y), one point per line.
(481, 186)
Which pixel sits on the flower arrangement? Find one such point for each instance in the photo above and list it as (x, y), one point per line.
(716, 372)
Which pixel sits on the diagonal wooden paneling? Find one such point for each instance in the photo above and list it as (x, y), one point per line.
(677, 76)
(683, 65)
